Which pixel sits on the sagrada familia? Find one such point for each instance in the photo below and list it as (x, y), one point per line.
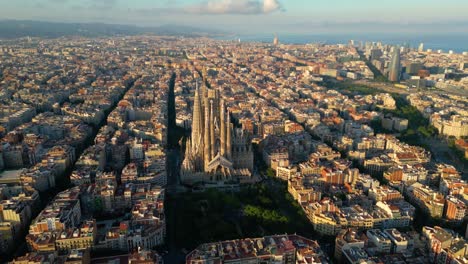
(216, 151)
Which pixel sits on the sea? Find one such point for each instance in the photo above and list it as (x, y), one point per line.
(458, 43)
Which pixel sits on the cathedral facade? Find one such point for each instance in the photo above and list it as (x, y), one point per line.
(216, 151)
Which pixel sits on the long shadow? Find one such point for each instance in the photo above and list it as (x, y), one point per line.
(63, 182)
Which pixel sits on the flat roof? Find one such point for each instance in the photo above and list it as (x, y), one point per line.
(10, 176)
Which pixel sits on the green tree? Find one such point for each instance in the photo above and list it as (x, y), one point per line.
(98, 205)
(270, 173)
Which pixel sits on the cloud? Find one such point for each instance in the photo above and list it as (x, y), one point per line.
(242, 7)
(270, 6)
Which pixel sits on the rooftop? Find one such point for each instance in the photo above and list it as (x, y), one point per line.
(10, 176)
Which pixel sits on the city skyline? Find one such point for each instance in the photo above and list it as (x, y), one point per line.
(255, 16)
(233, 131)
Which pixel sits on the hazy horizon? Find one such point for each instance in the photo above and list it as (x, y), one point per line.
(255, 16)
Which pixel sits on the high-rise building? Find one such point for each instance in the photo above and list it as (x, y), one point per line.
(216, 150)
(395, 66)
(276, 40)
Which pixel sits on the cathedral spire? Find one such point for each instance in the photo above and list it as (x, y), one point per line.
(223, 129)
(207, 138)
(212, 131)
(216, 150)
(228, 137)
(188, 150)
(197, 124)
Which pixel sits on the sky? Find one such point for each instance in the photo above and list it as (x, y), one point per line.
(255, 16)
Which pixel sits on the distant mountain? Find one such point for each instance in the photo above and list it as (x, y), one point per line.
(22, 28)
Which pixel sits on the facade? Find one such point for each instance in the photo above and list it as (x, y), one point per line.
(82, 238)
(347, 238)
(276, 157)
(302, 192)
(379, 242)
(287, 249)
(430, 201)
(399, 240)
(147, 225)
(62, 213)
(286, 173)
(395, 66)
(77, 238)
(455, 125)
(216, 150)
(455, 209)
